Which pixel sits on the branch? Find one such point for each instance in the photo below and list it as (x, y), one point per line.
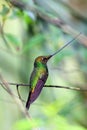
(17, 101)
(5, 84)
(65, 87)
(3, 36)
(51, 19)
(50, 86)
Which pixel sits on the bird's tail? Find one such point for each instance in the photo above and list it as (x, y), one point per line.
(27, 105)
(28, 102)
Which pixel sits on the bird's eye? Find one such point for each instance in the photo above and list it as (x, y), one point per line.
(44, 59)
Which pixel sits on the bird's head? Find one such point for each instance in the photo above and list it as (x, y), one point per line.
(42, 59)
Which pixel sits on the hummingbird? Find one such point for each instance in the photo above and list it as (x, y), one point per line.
(40, 74)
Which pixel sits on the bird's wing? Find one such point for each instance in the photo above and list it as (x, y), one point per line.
(35, 77)
(35, 93)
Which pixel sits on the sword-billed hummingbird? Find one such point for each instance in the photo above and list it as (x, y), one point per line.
(40, 75)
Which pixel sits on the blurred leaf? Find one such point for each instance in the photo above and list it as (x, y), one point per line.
(27, 124)
(4, 11)
(37, 39)
(53, 108)
(12, 39)
(29, 17)
(61, 123)
(84, 53)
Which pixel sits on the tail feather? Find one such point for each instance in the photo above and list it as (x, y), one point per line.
(28, 101)
(27, 105)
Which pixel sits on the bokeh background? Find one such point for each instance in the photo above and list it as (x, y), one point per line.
(24, 35)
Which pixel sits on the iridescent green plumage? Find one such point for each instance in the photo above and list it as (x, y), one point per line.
(38, 78)
(40, 69)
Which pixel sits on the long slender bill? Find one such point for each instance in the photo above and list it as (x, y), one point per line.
(65, 45)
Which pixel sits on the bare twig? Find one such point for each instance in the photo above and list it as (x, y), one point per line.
(65, 87)
(2, 34)
(50, 86)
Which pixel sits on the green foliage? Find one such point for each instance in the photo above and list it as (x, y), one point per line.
(12, 39)
(55, 123)
(51, 120)
(35, 41)
(4, 10)
(27, 124)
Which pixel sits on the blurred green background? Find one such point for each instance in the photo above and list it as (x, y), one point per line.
(25, 36)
